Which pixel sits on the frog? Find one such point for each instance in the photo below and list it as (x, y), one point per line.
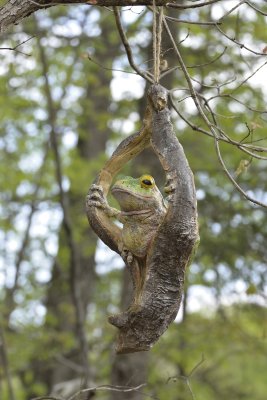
(142, 209)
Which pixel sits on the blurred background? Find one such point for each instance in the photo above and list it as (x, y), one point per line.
(67, 99)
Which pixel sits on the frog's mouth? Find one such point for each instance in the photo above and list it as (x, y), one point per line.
(131, 203)
(145, 213)
(117, 189)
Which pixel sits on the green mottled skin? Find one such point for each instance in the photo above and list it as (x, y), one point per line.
(142, 210)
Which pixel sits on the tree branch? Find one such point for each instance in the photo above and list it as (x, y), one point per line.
(241, 45)
(15, 48)
(128, 48)
(67, 223)
(112, 388)
(197, 5)
(14, 11)
(214, 129)
(186, 378)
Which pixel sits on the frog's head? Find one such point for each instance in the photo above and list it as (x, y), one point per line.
(138, 194)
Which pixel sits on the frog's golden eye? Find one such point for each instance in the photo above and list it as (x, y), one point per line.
(147, 181)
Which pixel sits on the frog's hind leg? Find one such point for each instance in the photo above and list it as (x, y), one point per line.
(137, 270)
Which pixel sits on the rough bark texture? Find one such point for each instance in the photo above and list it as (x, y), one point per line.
(140, 328)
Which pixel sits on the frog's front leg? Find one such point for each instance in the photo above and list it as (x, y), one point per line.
(96, 198)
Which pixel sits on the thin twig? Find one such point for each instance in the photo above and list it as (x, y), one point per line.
(127, 47)
(197, 366)
(120, 389)
(225, 95)
(215, 86)
(237, 186)
(249, 76)
(232, 9)
(109, 69)
(184, 21)
(183, 7)
(47, 398)
(241, 45)
(246, 148)
(255, 8)
(213, 128)
(15, 48)
(195, 65)
(186, 378)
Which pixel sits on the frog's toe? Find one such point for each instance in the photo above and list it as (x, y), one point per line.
(94, 199)
(97, 188)
(94, 196)
(94, 203)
